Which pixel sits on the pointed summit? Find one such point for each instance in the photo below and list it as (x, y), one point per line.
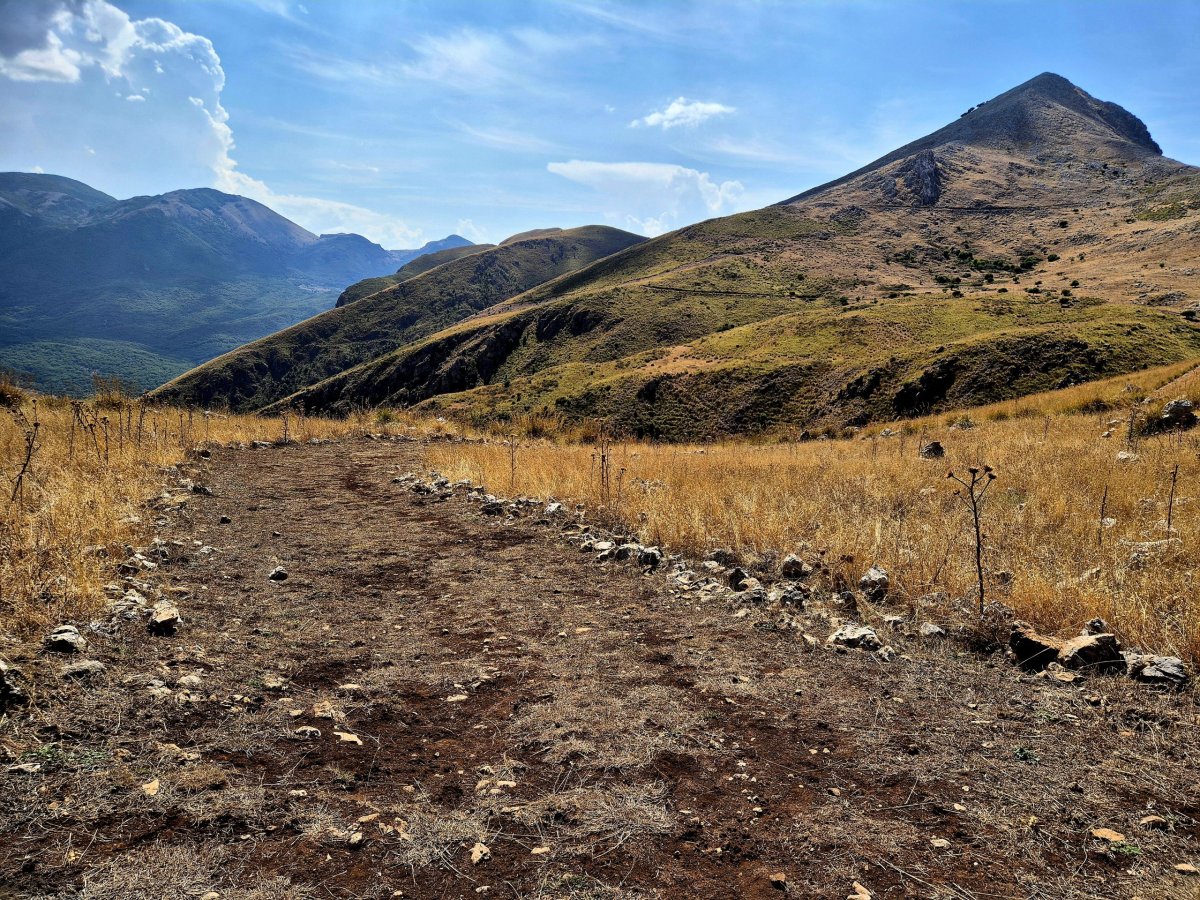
(1044, 122)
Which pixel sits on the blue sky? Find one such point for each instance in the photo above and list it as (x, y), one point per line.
(405, 121)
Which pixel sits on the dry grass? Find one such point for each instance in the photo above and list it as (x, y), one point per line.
(871, 499)
(74, 478)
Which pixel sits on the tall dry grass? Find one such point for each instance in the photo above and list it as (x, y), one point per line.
(73, 481)
(873, 499)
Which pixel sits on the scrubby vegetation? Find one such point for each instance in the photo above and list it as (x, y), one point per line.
(76, 476)
(1075, 526)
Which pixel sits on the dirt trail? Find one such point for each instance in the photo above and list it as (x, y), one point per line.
(599, 733)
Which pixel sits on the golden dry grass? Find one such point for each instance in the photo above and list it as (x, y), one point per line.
(81, 499)
(872, 499)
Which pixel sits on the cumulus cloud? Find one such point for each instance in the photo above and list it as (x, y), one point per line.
(652, 197)
(89, 45)
(682, 112)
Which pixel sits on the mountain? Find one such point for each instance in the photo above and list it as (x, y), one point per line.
(367, 323)
(1039, 240)
(146, 288)
(421, 264)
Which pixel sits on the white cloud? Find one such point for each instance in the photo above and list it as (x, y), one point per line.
(503, 139)
(682, 111)
(654, 197)
(472, 232)
(91, 43)
(468, 60)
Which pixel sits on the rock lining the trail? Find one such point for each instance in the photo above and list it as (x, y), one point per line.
(1096, 651)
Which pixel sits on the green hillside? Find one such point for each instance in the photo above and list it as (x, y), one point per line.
(270, 369)
(1022, 248)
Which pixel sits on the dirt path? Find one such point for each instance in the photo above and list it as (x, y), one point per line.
(479, 684)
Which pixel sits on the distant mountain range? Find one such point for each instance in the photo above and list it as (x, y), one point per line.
(1039, 240)
(148, 287)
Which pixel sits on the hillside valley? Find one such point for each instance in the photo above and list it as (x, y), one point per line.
(145, 288)
(378, 316)
(1038, 241)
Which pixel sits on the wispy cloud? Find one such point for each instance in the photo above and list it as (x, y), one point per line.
(506, 139)
(468, 60)
(653, 197)
(683, 112)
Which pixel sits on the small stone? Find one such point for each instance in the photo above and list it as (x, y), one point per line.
(83, 670)
(65, 639)
(190, 682)
(933, 450)
(855, 637)
(456, 698)
(1187, 869)
(1161, 671)
(1179, 413)
(886, 654)
(939, 843)
(492, 508)
(737, 578)
(279, 573)
(356, 839)
(779, 881)
(858, 892)
(539, 851)
(347, 737)
(308, 732)
(323, 709)
(874, 584)
(553, 509)
(794, 567)
(479, 853)
(1155, 822)
(930, 630)
(11, 691)
(151, 788)
(226, 520)
(650, 557)
(164, 618)
(1107, 834)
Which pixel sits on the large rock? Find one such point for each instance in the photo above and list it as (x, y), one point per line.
(1092, 653)
(855, 637)
(65, 639)
(1161, 671)
(11, 691)
(1179, 413)
(1032, 650)
(874, 584)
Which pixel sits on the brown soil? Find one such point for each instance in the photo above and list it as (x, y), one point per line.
(655, 745)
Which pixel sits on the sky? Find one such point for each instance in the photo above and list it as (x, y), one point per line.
(407, 120)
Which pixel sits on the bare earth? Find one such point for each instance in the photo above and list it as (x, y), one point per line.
(483, 689)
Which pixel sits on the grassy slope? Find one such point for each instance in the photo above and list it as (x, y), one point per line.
(418, 266)
(270, 369)
(792, 315)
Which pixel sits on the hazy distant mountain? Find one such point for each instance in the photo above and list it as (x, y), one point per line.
(1039, 240)
(146, 288)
